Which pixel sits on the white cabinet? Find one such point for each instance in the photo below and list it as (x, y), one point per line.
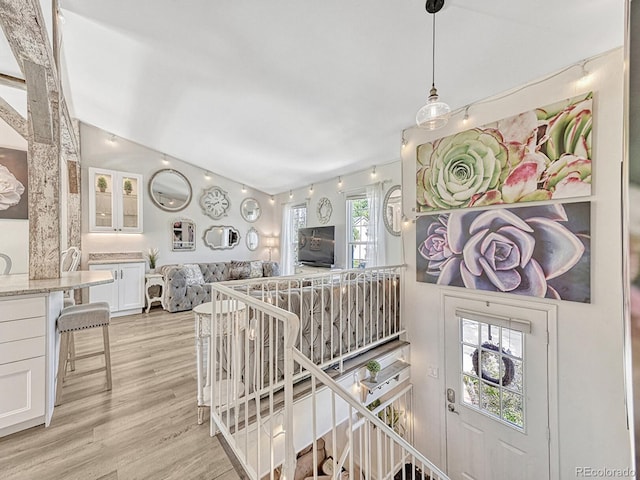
(115, 201)
(22, 363)
(126, 294)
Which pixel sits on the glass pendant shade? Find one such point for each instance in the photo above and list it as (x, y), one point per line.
(434, 114)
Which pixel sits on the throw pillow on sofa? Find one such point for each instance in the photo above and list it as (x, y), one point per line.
(255, 269)
(270, 269)
(239, 270)
(193, 274)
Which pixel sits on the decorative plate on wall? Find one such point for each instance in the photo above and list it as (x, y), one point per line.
(324, 210)
(215, 202)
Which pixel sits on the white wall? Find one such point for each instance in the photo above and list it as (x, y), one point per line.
(592, 422)
(14, 234)
(98, 151)
(351, 184)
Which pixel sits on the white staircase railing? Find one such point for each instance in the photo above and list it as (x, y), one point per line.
(342, 312)
(253, 363)
(371, 449)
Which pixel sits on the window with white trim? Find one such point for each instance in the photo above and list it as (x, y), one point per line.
(298, 221)
(358, 211)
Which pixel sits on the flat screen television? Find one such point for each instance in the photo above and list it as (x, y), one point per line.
(316, 246)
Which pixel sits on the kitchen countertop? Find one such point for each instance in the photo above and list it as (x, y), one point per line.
(19, 284)
(115, 260)
(103, 258)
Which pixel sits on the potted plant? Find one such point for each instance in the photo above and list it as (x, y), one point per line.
(374, 367)
(152, 256)
(102, 184)
(128, 187)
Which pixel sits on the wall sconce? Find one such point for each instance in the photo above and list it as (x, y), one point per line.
(290, 194)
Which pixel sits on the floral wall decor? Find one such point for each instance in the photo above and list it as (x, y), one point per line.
(540, 251)
(538, 155)
(14, 182)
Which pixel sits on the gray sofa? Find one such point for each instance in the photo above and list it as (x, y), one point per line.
(183, 293)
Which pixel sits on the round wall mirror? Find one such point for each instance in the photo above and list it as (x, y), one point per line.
(250, 209)
(392, 210)
(170, 190)
(221, 237)
(253, 239)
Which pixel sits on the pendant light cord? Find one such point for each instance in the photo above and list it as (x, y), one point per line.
(433, 54)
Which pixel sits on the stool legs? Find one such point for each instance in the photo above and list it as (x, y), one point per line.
(72, 352)
(62, 365)
(68, 355)
(107, 354)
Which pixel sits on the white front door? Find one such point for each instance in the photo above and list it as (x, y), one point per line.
(497, 417)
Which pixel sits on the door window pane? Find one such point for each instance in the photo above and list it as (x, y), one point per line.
(492, 371)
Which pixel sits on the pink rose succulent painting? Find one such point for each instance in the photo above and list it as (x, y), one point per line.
(541, 251)
(541, 154)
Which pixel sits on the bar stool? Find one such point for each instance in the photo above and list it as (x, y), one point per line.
(80, 317)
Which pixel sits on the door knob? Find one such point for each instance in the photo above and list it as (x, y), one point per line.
(452, 408)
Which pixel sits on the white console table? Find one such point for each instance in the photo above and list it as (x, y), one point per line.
(203, 314)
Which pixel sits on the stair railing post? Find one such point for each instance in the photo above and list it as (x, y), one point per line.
(290, 332)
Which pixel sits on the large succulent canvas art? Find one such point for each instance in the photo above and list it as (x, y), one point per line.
(13, 184)
(538, 155)
(540, 251)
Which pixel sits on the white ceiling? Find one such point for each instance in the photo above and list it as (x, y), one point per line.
(283, 93)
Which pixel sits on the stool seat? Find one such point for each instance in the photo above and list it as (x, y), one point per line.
(79, 317)
(73, 319)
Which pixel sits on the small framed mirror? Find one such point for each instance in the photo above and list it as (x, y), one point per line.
(250, 209)
(170, 190)
(253, 239)
(392, 210)
(183, 235)
(221, 237)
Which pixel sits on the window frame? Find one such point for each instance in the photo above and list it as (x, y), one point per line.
(296, 224)
(350, 242)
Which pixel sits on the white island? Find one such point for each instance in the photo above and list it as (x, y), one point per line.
(29, 345)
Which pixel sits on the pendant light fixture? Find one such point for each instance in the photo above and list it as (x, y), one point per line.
(434, 114)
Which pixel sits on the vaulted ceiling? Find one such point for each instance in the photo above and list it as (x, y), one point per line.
(283, 93)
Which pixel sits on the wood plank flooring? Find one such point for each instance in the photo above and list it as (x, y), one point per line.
(145, 428)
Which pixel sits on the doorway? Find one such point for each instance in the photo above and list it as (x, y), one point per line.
(497, 372)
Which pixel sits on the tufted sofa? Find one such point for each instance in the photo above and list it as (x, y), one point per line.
(180, 294)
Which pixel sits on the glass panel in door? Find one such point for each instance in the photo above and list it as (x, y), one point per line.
(130, 189)
(103, 187)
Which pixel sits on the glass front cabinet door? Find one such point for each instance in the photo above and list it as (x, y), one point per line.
(115, 201)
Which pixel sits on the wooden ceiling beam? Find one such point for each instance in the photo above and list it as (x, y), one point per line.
(14, 82)
(24, 26)
(13, 118)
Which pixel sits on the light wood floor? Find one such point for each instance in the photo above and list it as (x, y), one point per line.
(145, 428)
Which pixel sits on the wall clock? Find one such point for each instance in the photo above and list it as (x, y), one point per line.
(324, 210)
(215, 202)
